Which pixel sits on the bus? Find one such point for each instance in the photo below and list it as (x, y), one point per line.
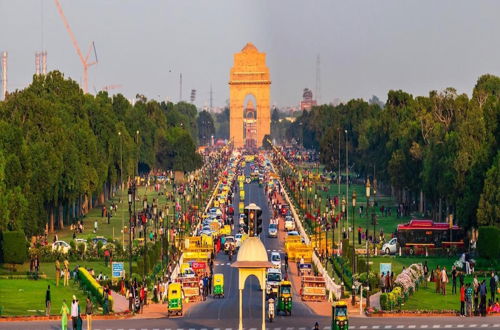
(429, 234)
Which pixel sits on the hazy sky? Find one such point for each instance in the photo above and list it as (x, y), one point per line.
(366, 47)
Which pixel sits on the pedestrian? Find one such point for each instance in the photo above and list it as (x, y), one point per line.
(482, 295)
(462, 300)
(437, 278)
(64, 315)
(454, 280)
(359, 235)
(66, 272)
(444, 281)
(426, 272)
(88, 312)
(105, 305)
(387, 282)
(48, 301)
(469, 292)
(493, 286)
(58, 271)
(142, 296)
(382, 283)
(476, 300)
(74, 312)
(316, 326)
(95, 226)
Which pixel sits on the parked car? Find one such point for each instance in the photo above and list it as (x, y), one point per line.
(272, 230)
(61, 246)
(276, 260)
(391, 246)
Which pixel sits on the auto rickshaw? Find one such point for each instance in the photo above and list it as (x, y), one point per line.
(340, 320)
(218, 285)
(285, 298)
(174, 299)
(242, 195)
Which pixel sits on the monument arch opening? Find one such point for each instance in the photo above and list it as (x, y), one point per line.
(249, 98)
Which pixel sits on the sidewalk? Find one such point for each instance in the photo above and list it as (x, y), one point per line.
(120, 303)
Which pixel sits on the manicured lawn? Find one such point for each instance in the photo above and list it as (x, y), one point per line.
(399, 262)
(48, 268)
(27, 297)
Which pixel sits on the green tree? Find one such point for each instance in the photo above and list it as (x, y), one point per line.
(488, 212)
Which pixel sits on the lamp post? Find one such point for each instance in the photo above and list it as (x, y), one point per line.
(344, 203)
(353, 239)
(145, 206)
(130, 199)
(367, 246)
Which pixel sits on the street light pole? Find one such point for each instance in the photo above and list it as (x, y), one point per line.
(367, 246)
(130, 198)
(353, 239)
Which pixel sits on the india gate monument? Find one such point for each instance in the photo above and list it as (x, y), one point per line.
(249, 97)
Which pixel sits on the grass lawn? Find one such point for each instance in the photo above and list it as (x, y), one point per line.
(48, 268)
(27, 297)
(399, 262)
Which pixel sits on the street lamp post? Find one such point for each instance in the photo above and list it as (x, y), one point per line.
(353, 239)
(367, 246)
(145, 206)
(130, 199)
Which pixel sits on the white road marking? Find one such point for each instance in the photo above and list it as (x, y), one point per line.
(436, 326)
(472, 325)
(388, 327)
(484, 325)
(496, 325)
(447, 326)
(191, 329)
(412, 326)
(400, 326)
(424, 326)
(375, 326)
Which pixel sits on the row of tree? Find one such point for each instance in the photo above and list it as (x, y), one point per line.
(441, 149)
(62, 151)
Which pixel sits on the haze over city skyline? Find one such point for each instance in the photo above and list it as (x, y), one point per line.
(366, 47)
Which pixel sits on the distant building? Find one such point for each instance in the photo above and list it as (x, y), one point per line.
(307, 100)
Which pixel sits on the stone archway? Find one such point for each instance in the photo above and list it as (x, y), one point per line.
(249, 75)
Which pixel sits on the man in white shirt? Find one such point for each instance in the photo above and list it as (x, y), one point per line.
(74, 312)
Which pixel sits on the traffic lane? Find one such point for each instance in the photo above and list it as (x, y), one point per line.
(276, 245)
(222, 308)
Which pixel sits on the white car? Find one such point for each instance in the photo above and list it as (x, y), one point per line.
(189, 273)
(272, 230)
(390, 247)
(61, 246)
(273, 280)
(237, 238)
(276, 260)
(289, 224)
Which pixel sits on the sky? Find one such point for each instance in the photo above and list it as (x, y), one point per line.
(365, 47)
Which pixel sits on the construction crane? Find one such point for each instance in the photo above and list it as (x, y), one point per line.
(85, 60)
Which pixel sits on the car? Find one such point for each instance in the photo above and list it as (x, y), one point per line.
(61, 246)
(272, 230)
(237, 238)
(188, 273)
(289, 224)
(98, 239)
(273, 280)
(390, 247)
(276, 260)
(230, 241)
(242, 219)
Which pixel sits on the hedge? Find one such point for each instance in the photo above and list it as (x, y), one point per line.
(90, 284)
(488, 244)
(14, 247)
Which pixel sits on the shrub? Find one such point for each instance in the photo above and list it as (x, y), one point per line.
(384, 302)
(14, 247)
(488, 244)
(91, 285)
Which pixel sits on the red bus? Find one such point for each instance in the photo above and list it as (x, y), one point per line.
(427, 233)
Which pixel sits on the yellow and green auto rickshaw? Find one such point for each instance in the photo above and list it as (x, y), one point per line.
(174, 299)
(218, 285)
(340, 320)
(285, 298)
(242, 195)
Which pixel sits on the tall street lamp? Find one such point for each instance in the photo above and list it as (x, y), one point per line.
(145, 206)
(367, 246)
(353, 239)
(131, 197)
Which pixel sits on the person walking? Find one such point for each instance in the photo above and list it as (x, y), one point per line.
(64, 315)
(382, 282)
(437, 278)
(444, 281)
(493, 286)
(426, 273)
(454, 280)
(88, 312)
(74, 312)
(66, 272)
(462, 300)
(476, 299)
(482, 294)
(58, 271)
(48, 301)
(469, 292)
